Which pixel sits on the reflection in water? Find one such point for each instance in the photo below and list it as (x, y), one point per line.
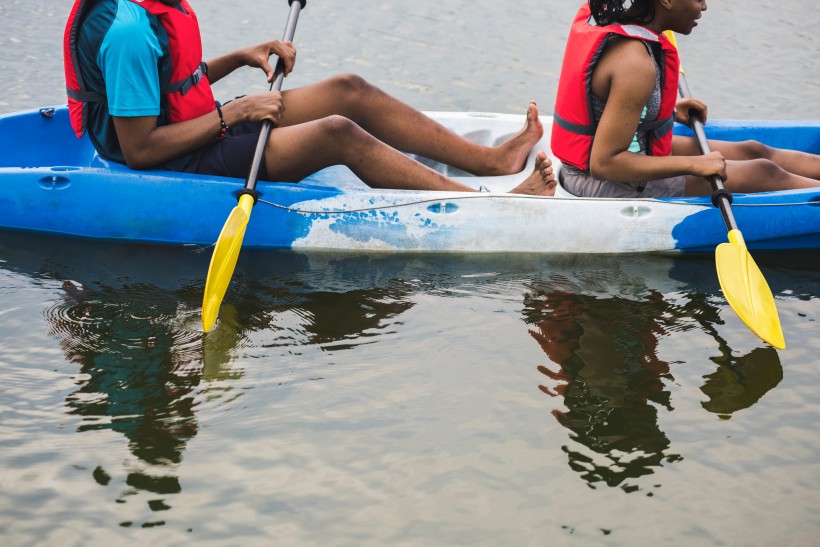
(740, 382)
(129, 318)
(608, 371)
(605, 365)
(302, 311)
(139, 371)
(130, 322)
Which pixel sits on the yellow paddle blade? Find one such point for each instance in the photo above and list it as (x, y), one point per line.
(746, 290)
(223, 261)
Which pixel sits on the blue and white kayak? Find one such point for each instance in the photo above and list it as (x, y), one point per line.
(52, 182)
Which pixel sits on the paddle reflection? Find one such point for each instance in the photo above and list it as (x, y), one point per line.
(605, 366)
(740, 382)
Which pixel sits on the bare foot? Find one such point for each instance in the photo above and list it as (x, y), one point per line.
(541, 181)
(512, 155)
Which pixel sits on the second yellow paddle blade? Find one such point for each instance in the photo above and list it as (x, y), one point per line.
(223, 261)
(746, 290)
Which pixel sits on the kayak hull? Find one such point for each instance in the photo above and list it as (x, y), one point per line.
(52, 182)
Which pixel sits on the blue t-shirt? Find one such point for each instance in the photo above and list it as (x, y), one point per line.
(124, 54)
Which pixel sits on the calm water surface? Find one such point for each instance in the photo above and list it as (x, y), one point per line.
(411, 400)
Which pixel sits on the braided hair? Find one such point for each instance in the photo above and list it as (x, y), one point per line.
(607, 12)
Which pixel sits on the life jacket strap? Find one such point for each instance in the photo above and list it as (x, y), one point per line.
(659, 128)
(84, 96)
(183, 86)
(578, 129)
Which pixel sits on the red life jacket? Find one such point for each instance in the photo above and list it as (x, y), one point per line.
(573, 127)
(187, 96)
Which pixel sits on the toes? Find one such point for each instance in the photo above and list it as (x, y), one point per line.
(541, 160)
(547, 172)
(532, 112)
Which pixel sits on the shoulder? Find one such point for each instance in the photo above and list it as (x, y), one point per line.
(128, 59)
(626, 62)
(629, 56)
(131, 22)
(625, 71)
(132, 33)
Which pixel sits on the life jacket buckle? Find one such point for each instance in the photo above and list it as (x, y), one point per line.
(193, 79)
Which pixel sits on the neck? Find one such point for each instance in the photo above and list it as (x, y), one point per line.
(655, 27)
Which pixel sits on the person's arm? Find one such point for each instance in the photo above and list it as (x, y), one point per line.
(128, 60)
(625, 78)
(257, 56)
(146, 145)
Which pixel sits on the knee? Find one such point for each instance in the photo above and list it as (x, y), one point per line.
(351, 85)
(767, 169)
(338, 127)
(753, 150)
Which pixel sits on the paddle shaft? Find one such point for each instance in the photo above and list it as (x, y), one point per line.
(278, 77)
(721, 198)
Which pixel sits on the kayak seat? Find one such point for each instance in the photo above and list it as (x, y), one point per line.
(43, 138)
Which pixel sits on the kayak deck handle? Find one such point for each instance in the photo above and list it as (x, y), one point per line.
(54, 182)
(636, 211)
(445, 208)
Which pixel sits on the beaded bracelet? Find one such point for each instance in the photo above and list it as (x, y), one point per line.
(223, 127)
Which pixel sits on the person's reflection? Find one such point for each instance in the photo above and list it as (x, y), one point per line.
(605, 366)
(144, 365)
(138, 374)
(607, 371)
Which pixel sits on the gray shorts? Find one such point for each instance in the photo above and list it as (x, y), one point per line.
(585, 185)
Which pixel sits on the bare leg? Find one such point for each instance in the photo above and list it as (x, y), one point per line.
(793, 161)
(407, 129)
(751, 176)
(295, 152)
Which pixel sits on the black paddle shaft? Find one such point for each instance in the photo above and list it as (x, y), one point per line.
(721, 197)
(278, 77)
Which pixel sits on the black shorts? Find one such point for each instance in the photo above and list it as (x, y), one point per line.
(230, 157)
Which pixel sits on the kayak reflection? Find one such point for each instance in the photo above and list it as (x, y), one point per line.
(601, 329)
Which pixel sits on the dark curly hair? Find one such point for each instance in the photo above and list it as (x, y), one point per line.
(606, 12)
